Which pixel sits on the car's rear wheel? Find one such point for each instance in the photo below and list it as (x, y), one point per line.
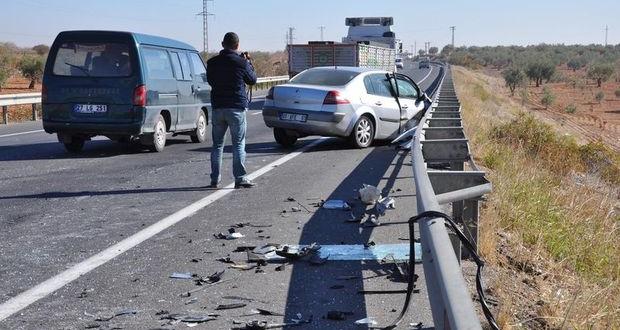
(76, 145)
(283, 137)
(200, 133)
(363, 132)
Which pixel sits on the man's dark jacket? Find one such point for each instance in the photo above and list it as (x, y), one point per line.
(228, 73)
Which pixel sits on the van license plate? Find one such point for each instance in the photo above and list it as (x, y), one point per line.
(293, 117)
(90, 108)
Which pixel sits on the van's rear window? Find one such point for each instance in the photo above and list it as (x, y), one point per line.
(92, 59)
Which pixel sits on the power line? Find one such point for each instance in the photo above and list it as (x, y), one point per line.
(322, 28)
(205, 26)
(452, 28)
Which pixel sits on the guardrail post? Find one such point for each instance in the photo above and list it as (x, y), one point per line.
(470, 223)
(34, 112)
(5, 114)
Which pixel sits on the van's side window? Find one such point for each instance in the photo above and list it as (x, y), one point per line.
(157, 63)
(200, 72)
(187, 73)
(177, 65)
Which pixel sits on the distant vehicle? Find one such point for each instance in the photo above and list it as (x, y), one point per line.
(356, 103)
(124, 86)
(318, 54)
(399, 63)
(372, 29)
(424, 63)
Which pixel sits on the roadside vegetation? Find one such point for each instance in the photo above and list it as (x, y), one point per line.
(549, 228)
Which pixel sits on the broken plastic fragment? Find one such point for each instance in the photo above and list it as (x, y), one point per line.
(182, 276)
(336, 204)
(372, 221)
(189, 318)
(230, 306)
(367, 321)
(369, 194)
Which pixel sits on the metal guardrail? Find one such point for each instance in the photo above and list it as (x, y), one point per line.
(439, 150)
(35, 98)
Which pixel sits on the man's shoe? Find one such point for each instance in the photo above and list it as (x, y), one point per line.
(214, 184)
(244, 184)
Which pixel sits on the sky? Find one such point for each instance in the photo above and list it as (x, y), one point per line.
(262, 24)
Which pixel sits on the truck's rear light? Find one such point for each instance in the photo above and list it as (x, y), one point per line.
(334, 97)
(270, 94)
(43, 94)
(139, 96)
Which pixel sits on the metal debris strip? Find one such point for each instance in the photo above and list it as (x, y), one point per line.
(336, 204)
(356, 252)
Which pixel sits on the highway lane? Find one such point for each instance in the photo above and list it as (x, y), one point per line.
(60, 209)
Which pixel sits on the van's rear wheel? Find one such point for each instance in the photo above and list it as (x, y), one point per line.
(363, 133)
(156, 141)
(283, 138)
(75, 146)
(200, 133)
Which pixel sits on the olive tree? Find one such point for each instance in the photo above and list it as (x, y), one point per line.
(514, 77)
(41, 49)
(538, 71)
(433, 50)
(31, 67)
(5, 69)
(600, 72)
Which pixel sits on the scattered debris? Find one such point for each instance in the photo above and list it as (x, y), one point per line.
(372, 221)
(245, 299)
(338, 315)
(196, 260)
(107, 316)
(191, 301)
(353, 218)
(243, 266)
(182, 276)
(190, 318)
(416, 325)
(230, 306)
(385, 204)
(369, 194)
(291, 199)
(244, 248)
(259, 311)
(336, 204)
(225, 260)
(280, 268)
(162, 312)
(367, 321)
(296, 252)
(232, 234)
(369, 244)
(295, 209)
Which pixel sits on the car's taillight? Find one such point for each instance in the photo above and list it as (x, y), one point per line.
(270, 94)
(139, 96)
(43, 94)
(334, 97)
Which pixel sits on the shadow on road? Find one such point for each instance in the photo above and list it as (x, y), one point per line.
(317, 290)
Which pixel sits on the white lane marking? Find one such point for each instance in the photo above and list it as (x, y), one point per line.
(257, 112)
(56, 282)
(429, 73)
(22, 133)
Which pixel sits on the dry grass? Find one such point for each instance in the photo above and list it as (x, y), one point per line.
(550, 227)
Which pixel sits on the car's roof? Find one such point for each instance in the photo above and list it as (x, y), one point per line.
(140, 38)
(347, 68)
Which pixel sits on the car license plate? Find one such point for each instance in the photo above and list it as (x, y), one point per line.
(293, 117)
(90, 108)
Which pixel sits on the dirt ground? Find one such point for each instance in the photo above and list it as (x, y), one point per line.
(593, 120)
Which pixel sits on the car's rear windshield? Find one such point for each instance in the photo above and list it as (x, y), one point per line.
(92, 59)
(324, 77)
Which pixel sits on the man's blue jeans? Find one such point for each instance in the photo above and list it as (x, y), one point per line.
(222, 119)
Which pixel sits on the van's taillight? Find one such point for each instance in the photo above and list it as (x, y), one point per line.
(270, 94)
(334, 97)
(139, 96)
(43, 94)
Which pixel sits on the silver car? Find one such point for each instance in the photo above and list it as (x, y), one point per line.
(360, 104)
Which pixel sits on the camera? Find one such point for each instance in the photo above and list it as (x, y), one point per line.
(246, 55)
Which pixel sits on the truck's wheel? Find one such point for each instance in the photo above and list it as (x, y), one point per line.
(283, 138)
(157, 140)
(363, 133)
(200, 133)
(75, 146)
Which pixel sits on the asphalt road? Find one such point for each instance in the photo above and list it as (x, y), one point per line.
(58, 210)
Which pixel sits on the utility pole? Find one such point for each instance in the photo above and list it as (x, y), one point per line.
(452, 28)
(606, 31)
(290, 35)
(415, 48)
(427, 45)
(205, 26)
(322, 28)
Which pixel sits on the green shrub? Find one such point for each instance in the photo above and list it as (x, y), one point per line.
(617, 92)
(600, 96)
(571, 108)
(548, 98)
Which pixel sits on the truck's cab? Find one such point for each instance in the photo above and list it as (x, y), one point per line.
(373, 29)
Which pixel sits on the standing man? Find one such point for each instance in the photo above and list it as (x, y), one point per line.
(228, 73)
